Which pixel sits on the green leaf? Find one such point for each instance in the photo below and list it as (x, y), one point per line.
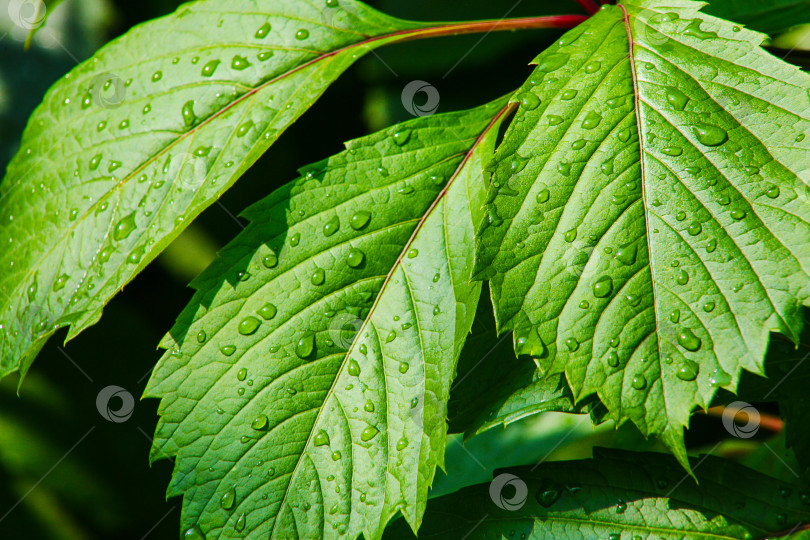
(769, 16)
(495, 388)
(131, 145)
(286, 425)
(648, 216)
(617, 495)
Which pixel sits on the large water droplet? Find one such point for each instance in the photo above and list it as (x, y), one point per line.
(355, 258)
(676, 98)
(354, 367)
(194, 533)
(710, 135)
(302, 34)
(602, 287)
(124, 227)
(360, 220)
(552, 62)
(369, 433)
(210, 68)
(321, 439)
(260, 423)
(688, 340)
(318, 276)
(249, 325)
(529, 100)
(305, 346)
(719, 377)
(263, 31)
(189, 117)
(688, 370)
(228, 499)
(239, 63)
(592, 120)
(627, 253)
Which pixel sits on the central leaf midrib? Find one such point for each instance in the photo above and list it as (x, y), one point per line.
(368, 320)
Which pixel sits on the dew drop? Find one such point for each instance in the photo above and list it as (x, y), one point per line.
(602, 287)
(682, 278)
(569, 95)
(332, 226)
(688, 340)
(710, 135)
(719, 377)
(737, 214)
(401, 137)
(227, 350)
(627, 253)
(124, 227)
(321, 439)
(593, 67)
(240, 523)
(270, 260)
(210, 68)
(305, 346)
(318, 277)
(302, 34)
(249, 325)
(639, 382)
(688, 370)
(360, 219)
(295, 239)
(369, 433)
(708, 307)
(672, 151)
(572, 344)
(773, 191)
(240, 63)
(354, 367)
(189, 118)
(676, 98)
(263, 31)
(355, 258)
(156, 76)
(529, 100)
(591, 120)
(228, 499)
(260, 423)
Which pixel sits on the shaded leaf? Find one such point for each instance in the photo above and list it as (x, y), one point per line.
(617, 495)
(769, 16)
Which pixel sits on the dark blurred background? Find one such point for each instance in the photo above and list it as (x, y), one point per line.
(68, 474)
